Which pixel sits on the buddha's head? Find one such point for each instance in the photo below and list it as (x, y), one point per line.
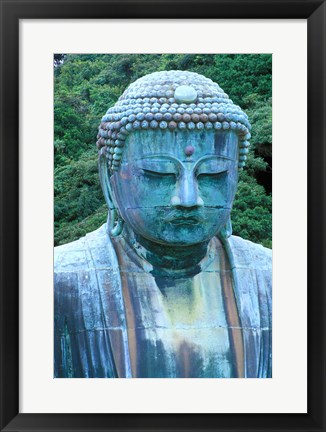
(169, 154)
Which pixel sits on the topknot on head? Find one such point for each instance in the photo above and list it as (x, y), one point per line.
(172, 100)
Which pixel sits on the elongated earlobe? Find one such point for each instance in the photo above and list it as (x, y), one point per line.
(226, 231)
(115, 222)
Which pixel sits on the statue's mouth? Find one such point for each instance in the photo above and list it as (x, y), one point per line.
(190, 217)
(185, 221)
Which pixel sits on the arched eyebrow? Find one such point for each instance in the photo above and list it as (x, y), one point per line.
(212, 157)
(160, 156)
(167, 157)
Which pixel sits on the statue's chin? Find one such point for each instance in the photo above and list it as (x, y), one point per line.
(181, 231)
(182, 237)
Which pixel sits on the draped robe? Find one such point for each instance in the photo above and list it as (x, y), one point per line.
(95, 308)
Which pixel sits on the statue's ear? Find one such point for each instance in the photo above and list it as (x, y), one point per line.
(115, 222)
(226, 231)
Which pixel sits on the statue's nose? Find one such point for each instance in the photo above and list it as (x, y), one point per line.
(186, 194)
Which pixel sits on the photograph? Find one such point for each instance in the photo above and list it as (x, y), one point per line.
(162, 215)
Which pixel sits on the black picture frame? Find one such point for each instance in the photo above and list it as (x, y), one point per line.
(11, 12)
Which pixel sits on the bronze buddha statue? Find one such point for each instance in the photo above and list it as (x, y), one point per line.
(163, 289)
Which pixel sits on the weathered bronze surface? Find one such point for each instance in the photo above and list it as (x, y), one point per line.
(163, 289)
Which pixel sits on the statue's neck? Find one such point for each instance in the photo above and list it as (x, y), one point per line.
(168, 258)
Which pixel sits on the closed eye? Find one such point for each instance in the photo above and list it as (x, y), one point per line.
(152, 173)
(213, 175)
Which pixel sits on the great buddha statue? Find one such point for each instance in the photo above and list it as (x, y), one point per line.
(164, 289)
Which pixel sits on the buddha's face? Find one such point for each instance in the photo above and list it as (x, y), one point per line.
(177, 188)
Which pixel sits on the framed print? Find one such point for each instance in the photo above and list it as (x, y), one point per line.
(152, 42)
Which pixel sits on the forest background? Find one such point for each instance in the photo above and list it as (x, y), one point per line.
(86, 85)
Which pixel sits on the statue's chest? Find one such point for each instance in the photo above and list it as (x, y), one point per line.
(177, 327)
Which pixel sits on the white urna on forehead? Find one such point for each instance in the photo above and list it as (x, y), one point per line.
(175, 101)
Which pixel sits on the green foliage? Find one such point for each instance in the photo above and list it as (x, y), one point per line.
(77, 196)
(87, 85)
(66, 232)
(260, 115)
(252, 211)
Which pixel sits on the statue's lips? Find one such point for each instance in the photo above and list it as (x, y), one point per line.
(184, 222)
(192, 220)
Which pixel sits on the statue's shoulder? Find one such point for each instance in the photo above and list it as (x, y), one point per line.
(247, 254)
(252, 271)
(79, 267)
(90, 251)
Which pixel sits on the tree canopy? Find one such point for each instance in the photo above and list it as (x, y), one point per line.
(87, 85)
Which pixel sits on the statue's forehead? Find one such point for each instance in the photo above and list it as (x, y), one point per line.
(142, 144)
